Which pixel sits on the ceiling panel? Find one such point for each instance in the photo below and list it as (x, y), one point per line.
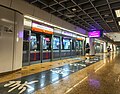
(97, 14)
(114, 36)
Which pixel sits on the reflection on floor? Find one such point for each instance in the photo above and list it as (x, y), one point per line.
(32, 69)
(31, 83)
(105, 80)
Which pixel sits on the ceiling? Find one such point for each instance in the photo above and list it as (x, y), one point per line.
(115, 36)
(87, 14)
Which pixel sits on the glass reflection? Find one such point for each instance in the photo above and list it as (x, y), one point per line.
(66, 43)
(42, 79)
(33, 45)
(46, 43)
(56, 42)
(54, 75)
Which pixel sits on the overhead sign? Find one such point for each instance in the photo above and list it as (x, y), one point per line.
(94, 34)
(66, 33)
(56, 30)
(27, 22)
(41, 28)
(80, 38)
(74, 35)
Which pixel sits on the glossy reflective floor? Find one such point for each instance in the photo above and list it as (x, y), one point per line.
(81, 77)
(106, 80)
(36, 68)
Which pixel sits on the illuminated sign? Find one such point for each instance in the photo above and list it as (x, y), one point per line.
(41, 28)
(67, 33)
(74, 35)
(94, 34)
(56, 30)
(27, 22)
(80, 38)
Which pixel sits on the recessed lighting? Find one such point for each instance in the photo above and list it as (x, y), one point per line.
(109, 21)
(117, 12)
(73, 9)
(70, 15)
(106, 15)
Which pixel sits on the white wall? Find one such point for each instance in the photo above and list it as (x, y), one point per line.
(114, 46)
(18, 41)
(104, 47)
(87, 40)
(10, 42)
(6, 39)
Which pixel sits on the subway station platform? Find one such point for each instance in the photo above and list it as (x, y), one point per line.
(99, 74)
(43, 44)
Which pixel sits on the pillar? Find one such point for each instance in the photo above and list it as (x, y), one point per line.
(11, 39)
(92, 48)
(114, 48)
(104, 47)
(18, 41)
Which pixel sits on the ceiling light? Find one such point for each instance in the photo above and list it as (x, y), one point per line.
(117, 13)
(70, 15)
(38, 20)
(106, 15)
(109, 21)
(7, 21)
(74, 9)
(119, 23)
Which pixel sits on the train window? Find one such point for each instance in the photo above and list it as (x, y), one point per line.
(77, 44)
(34, 42)
(46, 43)
(56, 42)
(33, 45)
(66, 44)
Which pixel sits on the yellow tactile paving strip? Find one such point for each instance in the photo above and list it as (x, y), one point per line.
(35, 68)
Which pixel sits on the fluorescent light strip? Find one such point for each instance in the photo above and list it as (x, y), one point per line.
(41, 21)
(117, 13)
(119, 23)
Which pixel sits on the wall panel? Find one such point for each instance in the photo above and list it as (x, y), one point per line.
(23, 7)
(6, 39)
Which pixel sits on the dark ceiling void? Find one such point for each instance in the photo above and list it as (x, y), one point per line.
(87, 14)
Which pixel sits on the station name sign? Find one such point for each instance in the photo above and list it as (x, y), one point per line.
(41, 28)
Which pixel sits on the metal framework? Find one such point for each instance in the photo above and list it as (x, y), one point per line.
(87, 14)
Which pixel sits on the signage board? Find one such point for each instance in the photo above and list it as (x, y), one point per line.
(67, 33)
(94, 34)
(41, 28)
(27, 22)
(56, 30)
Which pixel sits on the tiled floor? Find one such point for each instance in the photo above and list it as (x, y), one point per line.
(32, 69)
(89, 80)
(66, 84)
(106, 80)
